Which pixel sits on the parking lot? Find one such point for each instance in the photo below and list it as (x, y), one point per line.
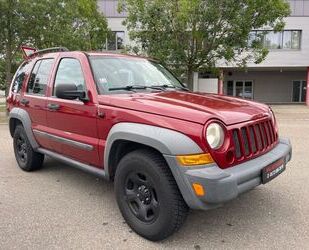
(60, 207)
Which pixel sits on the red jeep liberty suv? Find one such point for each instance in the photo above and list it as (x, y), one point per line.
(129, 120)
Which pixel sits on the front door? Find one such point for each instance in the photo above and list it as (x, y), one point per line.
(299, 91)
(73, 123)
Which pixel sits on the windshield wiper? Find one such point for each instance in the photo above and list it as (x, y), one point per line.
(136, 87)
(165, 86)
(128, 87)
(162, 87)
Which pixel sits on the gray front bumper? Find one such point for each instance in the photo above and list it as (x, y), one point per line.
(222, 185)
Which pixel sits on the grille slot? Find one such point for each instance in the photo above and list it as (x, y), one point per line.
(263, 133)
(267, 133)
(245, 140)
(237, 144)
(258, 137)
(253, 139)
(272, 135)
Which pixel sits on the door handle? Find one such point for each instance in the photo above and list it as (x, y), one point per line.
(24, 102)
(53, 106)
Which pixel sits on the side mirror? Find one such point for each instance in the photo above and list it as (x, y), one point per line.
(69, 91)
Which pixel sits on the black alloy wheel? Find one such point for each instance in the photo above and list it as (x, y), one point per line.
(26, 157)
(148, 196)
(141, 196)
(21, 148)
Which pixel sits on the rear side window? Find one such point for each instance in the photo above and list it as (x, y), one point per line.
(39, 77)
(70, 71)
(20, 77)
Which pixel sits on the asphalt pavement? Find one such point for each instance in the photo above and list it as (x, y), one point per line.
(60, 207)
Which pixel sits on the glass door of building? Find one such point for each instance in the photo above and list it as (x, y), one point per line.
(299, 91)
(242, 89)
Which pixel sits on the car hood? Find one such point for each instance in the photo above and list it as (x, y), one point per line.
(190, 106)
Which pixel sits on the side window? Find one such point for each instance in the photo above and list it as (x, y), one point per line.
(20, 77)
(39, 77)
(70, 71)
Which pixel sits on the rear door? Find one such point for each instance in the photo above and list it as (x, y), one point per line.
(34, 98)
(73, 123)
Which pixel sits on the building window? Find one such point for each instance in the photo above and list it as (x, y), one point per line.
(242, 89)
(110, 8)
(287, 39)
(299, 7)
(299, 91)
(273, 40)
(115, 41)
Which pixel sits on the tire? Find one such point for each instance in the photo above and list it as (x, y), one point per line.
(148, 196)
(27, 159)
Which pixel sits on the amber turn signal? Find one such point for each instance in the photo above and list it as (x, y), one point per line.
(198, 189)
(193, 160)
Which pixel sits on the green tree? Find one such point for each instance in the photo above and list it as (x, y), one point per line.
(2, 74)
(75, 24)
(192, 35)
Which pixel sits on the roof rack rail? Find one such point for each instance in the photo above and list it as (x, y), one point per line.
(29, 52)
(48, 50)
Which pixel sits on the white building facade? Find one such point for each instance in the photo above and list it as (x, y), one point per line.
(120, 36)
(282, 78)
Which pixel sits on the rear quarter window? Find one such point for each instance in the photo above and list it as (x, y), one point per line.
(20, 77)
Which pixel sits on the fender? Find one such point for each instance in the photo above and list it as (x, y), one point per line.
(24, 118)
(166, 141)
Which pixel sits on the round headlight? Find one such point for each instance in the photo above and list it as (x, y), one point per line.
(215, 135)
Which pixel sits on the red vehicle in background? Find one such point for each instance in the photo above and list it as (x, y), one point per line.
(129, 120)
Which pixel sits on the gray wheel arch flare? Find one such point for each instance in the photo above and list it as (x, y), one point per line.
(166, 141)
(24, 118)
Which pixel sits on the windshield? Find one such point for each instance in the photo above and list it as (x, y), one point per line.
(114, 74)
